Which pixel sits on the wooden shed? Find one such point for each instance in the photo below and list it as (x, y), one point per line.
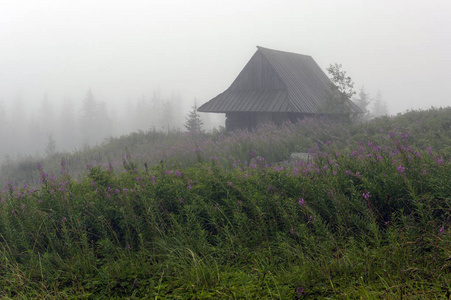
(277, 86)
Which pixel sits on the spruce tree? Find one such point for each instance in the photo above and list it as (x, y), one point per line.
(193, 122)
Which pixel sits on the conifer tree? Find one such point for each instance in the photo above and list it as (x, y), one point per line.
(362, 102)
(193, 122)
(380, 106)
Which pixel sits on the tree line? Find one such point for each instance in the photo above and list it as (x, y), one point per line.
(74, 125)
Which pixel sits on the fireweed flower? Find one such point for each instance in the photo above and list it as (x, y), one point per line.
(63, 220)
(442, 229)
(401, 169)
(300, 291)
(366, 195)
(302, 202)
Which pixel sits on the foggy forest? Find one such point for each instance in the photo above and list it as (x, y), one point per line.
(75, 124)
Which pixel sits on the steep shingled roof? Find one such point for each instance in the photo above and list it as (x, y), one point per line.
(277, 81)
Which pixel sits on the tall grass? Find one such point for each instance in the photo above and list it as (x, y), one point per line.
(368, 219)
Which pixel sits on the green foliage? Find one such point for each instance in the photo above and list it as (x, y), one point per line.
(366, 218)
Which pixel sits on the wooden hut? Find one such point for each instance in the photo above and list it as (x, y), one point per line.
(277, 86)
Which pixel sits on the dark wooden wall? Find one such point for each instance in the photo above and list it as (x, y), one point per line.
(248, 120)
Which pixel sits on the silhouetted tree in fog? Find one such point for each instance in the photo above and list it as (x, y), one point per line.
(362, 102)
(193, 122)
(380, 107)
(95, 124)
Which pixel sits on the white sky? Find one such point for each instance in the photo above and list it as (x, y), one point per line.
(124, 49)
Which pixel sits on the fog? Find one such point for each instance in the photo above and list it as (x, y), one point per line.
(53, 52)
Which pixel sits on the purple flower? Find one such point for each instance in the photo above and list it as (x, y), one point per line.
(23, 206)
(442, 229)
(300, 292)
(246, 175)
(63, 220)
(229, 183)
(292, 231)
(301, 202)
(366, 195)
(401, 169)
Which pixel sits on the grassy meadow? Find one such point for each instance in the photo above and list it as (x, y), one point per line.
(230, 216)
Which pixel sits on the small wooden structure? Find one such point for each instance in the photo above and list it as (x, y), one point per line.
(277, 86)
